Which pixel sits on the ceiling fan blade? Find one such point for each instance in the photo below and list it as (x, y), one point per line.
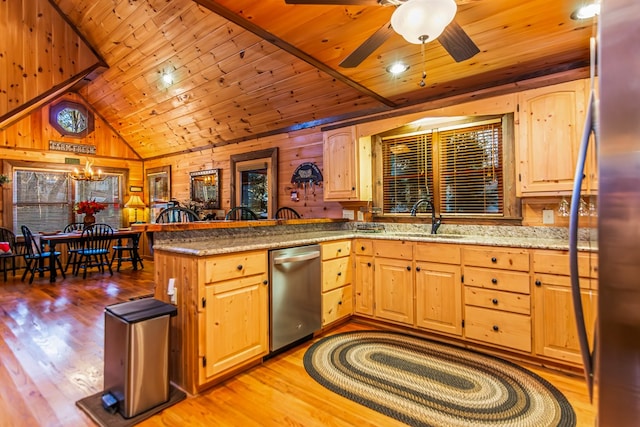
(336, 2)
(457, 42)
(368, 47)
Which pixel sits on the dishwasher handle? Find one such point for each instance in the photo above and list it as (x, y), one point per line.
(297, 258)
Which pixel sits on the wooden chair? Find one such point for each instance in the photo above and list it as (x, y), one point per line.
(35, 258)
(241, 213)
(287, 213)
(177, 214)
(7, 235)
(96, 247)
(127, 252)
(73, 247)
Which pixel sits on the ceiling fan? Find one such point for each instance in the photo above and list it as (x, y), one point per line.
(452, 37)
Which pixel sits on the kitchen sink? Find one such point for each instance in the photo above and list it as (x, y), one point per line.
(429, 236)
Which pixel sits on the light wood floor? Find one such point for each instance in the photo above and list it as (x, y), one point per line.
(51, 355)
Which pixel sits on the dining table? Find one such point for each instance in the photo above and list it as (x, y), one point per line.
(54, 239)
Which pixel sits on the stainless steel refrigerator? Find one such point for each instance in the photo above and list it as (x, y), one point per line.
(616, 360)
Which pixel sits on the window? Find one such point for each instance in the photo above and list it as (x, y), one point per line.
(458, 167)
(45, 200)
(71, 119)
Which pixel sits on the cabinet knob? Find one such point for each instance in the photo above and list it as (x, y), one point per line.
(538, 283)
(339, 302)
(339, 250)
(353, 188)
(495, 327)
(417, 268)
(495, 301)
(408, 268)
(368, 264)
(339, 273)
(265, 282)
(362, 248)
(494, 259)
(494, 280)
(239, 267)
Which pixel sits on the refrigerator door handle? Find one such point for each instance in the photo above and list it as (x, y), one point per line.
(587, 357)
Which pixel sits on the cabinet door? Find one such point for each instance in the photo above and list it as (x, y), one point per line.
(236, 323)
(363, 285)
(439, 298)
(394, 290)
(551, 125)
(555, 331)
(339, 161)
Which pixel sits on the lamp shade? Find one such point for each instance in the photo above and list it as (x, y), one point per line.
(134, 202)
(422, 21)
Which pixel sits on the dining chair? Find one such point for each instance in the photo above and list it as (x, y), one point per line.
(241, 213)
(8, 252)
(127, 252)
(287, 213)
(73, 246)
(96, 247)
(177, 214)
(35, 258)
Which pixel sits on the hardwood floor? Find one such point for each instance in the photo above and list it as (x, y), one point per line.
(51, 355)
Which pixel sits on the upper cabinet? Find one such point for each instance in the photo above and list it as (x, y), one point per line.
(347, 165)
(551, 125)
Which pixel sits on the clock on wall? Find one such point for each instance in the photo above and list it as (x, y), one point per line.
(71, 119)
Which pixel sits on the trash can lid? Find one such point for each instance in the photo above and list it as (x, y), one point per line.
(141, 309)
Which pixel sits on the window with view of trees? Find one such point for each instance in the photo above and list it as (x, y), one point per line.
(458, 167)
(45, 200)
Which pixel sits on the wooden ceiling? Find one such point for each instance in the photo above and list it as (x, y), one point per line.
(242, 69)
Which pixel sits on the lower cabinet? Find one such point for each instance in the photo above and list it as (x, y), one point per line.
(393, 281)
(363, 277)
(337, 291)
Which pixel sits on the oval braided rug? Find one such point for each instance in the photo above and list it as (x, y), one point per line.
(424, 383)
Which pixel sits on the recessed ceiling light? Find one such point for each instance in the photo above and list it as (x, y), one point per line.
(167, 78)
(397, 68)
(586, 11)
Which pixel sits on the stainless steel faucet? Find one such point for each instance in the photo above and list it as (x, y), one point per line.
(435, 223)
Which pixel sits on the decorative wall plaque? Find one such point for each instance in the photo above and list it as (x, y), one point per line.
(72, 148)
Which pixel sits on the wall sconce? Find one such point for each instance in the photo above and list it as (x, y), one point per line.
(135, 203)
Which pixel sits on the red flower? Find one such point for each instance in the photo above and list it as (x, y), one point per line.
(90, 207)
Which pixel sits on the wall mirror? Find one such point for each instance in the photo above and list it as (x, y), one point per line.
(205, 188)
(254, 181)
(159, 188)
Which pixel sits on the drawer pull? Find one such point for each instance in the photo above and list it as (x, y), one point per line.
(495, 327)
(265, 282)
(368, 264)
(339, 273)
(239, 267)
(494, 259)
(339, 302)
(494, 280)
(538, 283)
(339, 250)
(495, 301)
(362, 248)
(417, 268)
(408, 268)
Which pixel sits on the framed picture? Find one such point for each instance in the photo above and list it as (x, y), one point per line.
(159, 186)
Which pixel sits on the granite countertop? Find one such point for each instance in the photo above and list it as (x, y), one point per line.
(231, 243)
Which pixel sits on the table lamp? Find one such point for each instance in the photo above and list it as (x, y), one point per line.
(135, 202)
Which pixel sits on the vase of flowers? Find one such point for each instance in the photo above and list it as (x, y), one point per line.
(4, 179)
(89, 208)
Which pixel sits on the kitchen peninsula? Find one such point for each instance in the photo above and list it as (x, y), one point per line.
(490, 288)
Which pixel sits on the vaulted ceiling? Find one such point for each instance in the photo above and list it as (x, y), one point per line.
(240, 69)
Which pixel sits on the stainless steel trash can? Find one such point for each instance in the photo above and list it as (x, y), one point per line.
(136, 354)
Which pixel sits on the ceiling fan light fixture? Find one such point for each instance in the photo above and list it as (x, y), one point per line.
(422, 21)
(397, 68)
(586, 11)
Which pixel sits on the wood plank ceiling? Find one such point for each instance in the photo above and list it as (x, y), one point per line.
(240, 69)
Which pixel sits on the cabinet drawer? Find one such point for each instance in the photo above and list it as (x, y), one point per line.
(362, 247)
(557, 262)
(497, 327)
(337, 304)
(492, 299)
(497, 279)
(225, 267)
(393, 249)
(335, 273)
(336, 249)
(437, 252)
(506, 259)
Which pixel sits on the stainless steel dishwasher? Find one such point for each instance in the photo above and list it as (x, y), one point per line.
(295, 303)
